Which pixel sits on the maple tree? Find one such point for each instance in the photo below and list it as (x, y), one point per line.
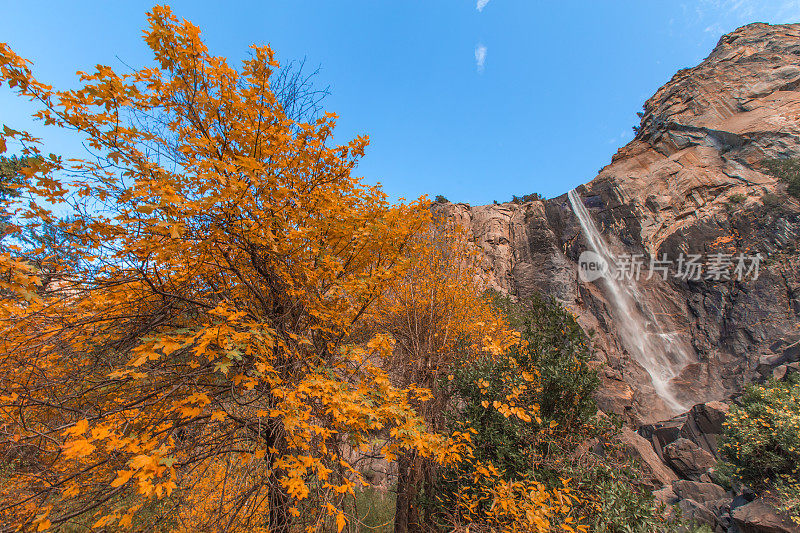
(438, 316)
(204, 365)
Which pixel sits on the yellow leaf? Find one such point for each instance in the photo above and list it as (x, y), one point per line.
(78, 429)
(104, 521)
(78, 448)
(122, 477)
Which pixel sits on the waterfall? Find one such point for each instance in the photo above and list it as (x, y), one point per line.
(660, 353)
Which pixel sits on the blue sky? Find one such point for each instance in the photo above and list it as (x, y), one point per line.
(475, 101)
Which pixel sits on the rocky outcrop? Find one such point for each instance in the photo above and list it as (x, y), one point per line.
(698, 491)
(761, 516)
(691, 182)
(704, 425)
(639, 448)
(689, 460)
(698, 513)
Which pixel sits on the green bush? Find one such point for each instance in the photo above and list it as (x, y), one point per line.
(771, 200)
(374, 510)
(737, 199)
(525, 198)
(786, 170)
(551, 370)
(556, 346)
(761, 441)
(617, 505)
(557, 351)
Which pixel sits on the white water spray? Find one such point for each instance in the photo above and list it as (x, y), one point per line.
(660, 353)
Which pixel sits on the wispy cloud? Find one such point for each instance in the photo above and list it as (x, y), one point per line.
(481, 4)
(480, 57)
(724, 15)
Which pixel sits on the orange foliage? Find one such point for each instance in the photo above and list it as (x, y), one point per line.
(435, 311)
(205, 366)
(492, 503)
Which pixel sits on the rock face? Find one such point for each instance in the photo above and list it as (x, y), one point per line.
(760, 516)
(704, 425)
(691, 182)
(639, 448)
(698, 491)
(689, 460)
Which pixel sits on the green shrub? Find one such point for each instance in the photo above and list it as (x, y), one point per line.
(786, 170)
(737, 199)
(771, 200)
(761, 441)
(557, 351)
(556, 346)
(374, 510)
(617, 505)
(525, 198)
(550, 369)
(441, 199)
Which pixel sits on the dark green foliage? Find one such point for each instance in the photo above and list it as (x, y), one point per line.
(505, 441)
(441, 199)
(11, 175)
(527, 198)
(559, 349)
(620, 506)
(555, 350)
(737, 198)
(786, 170)
(734, 202)
(374, 510)
(771, 200)
(761, 442)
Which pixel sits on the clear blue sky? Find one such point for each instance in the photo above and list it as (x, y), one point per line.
(557, 93)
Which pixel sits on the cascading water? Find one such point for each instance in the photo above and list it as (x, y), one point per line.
(660, 353)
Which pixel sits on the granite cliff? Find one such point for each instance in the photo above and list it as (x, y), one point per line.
(691, 182)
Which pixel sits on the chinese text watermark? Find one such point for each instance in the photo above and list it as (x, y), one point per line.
(688, 267)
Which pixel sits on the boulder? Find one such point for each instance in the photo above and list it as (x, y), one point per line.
(688, 459)
(760, 516)
(782, 372)
(791, 353)
(698, 491)
(640, 449)
(722, 509)
(666, 496)
(696, 512)
(704, 425)
(661, 434)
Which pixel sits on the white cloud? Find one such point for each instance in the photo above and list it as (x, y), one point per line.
(481, 4)
(480, 56)
(725, 15)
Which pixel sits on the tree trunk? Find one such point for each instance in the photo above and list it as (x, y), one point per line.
(406, 517)
(279, 518)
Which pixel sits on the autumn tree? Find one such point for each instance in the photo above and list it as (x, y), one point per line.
(205, 364)
(438, 316)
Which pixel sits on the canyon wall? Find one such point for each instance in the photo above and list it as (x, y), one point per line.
(691, 182)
